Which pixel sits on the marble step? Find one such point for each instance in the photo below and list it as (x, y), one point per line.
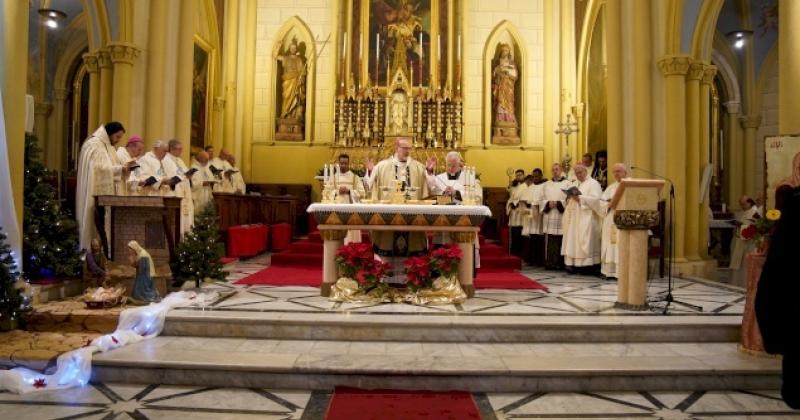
(486, 367)
(373, 326)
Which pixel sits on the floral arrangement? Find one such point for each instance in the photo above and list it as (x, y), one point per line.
(762, 227)
(441, 262)
(357, 261)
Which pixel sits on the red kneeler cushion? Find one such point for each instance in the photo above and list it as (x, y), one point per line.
(247, 240)
(281, 236)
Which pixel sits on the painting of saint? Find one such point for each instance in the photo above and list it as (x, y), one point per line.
(199, 97)
(401, 24)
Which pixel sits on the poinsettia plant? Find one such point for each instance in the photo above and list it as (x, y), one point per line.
(357, 261)
(441, 262)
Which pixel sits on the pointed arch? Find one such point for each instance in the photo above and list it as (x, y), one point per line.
(725, 60)
(297, 28)
(593, 10)
(505, 28)
(704, 30)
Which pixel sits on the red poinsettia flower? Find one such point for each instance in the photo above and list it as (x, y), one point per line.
(39, 383)
(749, 232)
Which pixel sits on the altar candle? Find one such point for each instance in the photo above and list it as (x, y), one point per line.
(458, 48)
(438, 48)
(344, 45)
(377, 47)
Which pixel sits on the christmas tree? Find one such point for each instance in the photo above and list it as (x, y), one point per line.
(10, 298)
(199, 252)
(50, 240)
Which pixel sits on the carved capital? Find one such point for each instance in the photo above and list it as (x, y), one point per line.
(750, 121)
(577, 110)
(636, 219)
(124, 53)
(709, 71)
(219, 104)
(60, 94)
(104, 59)
(733, 107)
(333, 235)
(91, 62)
(463, 237)
(42, 108)
(674, 65)
(696, 70)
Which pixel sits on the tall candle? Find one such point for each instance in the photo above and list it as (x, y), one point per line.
(438, 48)
(377, 47)
(421, 50)
(344, 45)
(458, 48)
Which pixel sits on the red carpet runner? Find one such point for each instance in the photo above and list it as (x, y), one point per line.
(358, 404)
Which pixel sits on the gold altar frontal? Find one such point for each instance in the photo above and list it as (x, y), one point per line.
(461, 222)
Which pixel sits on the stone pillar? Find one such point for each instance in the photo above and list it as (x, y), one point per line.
(750, 124)
(632, 276)
(788, 62)
(674, 68)
(41, 111)
(183, 90)
(249, 53)
(93, 68)
(123, 55)
(692, 162)
(706, 128)
(466, 243)
(158, 45)
(641, 69)
(106, 87)
(614, 96)
(332, 241)
(59, 135)
(734, 152)
(230, 60)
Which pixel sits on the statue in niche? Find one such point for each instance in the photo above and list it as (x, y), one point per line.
(504, 81)
(399, 122)
(293, 93)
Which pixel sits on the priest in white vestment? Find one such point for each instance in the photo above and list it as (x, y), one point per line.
(130, 153)
(98, 169)
(532, 219)
(410, 174)
(515, 213)
(552, 208)
(217, 166)
(150, 178)
(609, 252)
(740, 246)
(350, 190)
(582, 224)
(176, 167)
(202, 182)
(238, 185)
(587, 162)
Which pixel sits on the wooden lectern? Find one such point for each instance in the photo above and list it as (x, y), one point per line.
(635, 205)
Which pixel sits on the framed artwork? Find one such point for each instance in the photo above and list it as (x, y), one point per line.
(782, 166)
(200, 100)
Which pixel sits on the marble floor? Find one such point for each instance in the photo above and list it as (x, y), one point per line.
(128, 401)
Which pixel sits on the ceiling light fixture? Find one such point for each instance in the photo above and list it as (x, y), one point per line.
(739, 37)
(51, 17)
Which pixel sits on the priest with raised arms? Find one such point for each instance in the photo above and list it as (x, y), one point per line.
(410, 174)
(99, 169)
(609, 253)
(582, 223)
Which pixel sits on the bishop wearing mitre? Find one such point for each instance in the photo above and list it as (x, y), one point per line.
(582, 223)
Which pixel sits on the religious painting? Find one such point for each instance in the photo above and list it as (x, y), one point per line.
(290, 85)
(505, 95)
(200, 78)
(782, 154)
(400, 35)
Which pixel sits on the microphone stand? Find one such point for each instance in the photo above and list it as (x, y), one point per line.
(668, 298)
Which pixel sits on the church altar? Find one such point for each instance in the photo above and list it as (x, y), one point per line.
(461, 222)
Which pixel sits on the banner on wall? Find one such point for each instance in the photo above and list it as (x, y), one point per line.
(782, 165)
(8, 215)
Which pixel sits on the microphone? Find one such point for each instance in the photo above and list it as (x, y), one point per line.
(671, 184)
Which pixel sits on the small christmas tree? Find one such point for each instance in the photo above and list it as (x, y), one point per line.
(199, 252)
(10, 298)
(50, 240)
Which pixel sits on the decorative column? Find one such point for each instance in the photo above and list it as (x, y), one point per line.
(106, 87)
(230, 60)
(122, 55)
(93, 68)
(332, 241)
(41, 111)
(750, 124)
(183, 88)
(788, 62)
(248, 87)
(613, 28)
(59, 135)
(696, 70)
(632, 270)
(674, 68)
(641, 70)
(157, 51)
(706, 128)
(466, 243)
(734, 151)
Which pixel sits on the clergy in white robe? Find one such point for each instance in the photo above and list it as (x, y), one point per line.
(237, 181)
(552, 208)
(609, 252)
(532, 222)
(582, 223)
(176, 167)
(402, 168)
(151, 167)
(98, 169)
(202, 183)
(350, 190)
(130, 153)
(453, 180)
(217, 166)
(740, 246)
(515, 213)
